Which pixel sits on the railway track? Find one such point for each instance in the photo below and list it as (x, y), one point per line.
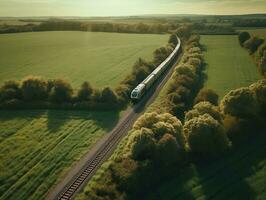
(108, 144)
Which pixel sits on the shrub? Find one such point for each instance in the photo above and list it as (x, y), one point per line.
(142, 144)
(253, 44)
(34, 89)
(206, 136)
(61, 91)
(243, 37)
(108, 96)
(262, 65)
(259, 89)
(161, 124)
(10, 90)
(207, 95)
(168, 150)
(85, 92)
(202, 108)
(173, 40)
(240, 103)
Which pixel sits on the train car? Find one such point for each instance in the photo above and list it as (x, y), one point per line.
(145, 85)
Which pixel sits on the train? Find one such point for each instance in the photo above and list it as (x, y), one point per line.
(145, 85)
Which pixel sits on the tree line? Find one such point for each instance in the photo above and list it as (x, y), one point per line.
(250, 22)
(256, 47)
(64, 25)
(35, 92)
(160, 145)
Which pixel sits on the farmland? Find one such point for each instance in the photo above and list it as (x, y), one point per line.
(100, 58)
(37, 147)
(228, 65)
(261, 32)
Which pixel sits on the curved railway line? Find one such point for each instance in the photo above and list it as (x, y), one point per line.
(84, 169)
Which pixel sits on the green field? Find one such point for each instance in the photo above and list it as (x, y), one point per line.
(100, 58)
(228, 65)
(261, 32)
(37, 147)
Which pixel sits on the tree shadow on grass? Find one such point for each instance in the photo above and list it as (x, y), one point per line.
(225, 179)
(104, 120)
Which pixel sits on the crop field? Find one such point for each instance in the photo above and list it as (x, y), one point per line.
(228, 65)
(37, 147)
(261, 32)
(100, 58)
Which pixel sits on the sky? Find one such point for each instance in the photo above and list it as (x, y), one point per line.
(18, 8)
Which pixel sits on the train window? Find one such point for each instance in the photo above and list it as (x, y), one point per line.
(134, 94)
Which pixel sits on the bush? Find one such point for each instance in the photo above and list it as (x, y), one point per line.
(34, 89)
(202, 108)
(240, 103)
(243, 37)
(207, 95)
(142, 144)
(206, 136)
(10, 90)
(108, 96)
(85, 92)
(262, 65)
(259, 89)
(161, 124)
(61, 91)
(168, 150)
(173, 40)
(253, 44)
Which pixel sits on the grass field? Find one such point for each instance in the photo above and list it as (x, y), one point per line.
(100, 58)
(261, 32)
(37, 147)
(228, 65)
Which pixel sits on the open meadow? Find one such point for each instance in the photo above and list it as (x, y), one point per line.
(100, 58)
(37, 147)
(228, 65)
(261, 32)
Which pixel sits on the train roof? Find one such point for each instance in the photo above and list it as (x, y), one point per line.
(139, 87)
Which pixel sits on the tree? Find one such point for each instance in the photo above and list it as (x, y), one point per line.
(85, 91)
(142, 144)
(259, 88)
(173, 40)
(206, 136)
(108, 96)
(262, 64)
(253, 44)
(243, 37)
(61, 91)
(168, 150)
(34, 89)
(240, 103)
(207, 95)
(202, 108)
(10, 90)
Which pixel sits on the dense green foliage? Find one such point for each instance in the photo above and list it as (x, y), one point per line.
(243, 37)
(207, 95)
(257, 48)
(186, 80)
(206, 133)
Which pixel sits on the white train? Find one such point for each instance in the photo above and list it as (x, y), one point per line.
(145, 85)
